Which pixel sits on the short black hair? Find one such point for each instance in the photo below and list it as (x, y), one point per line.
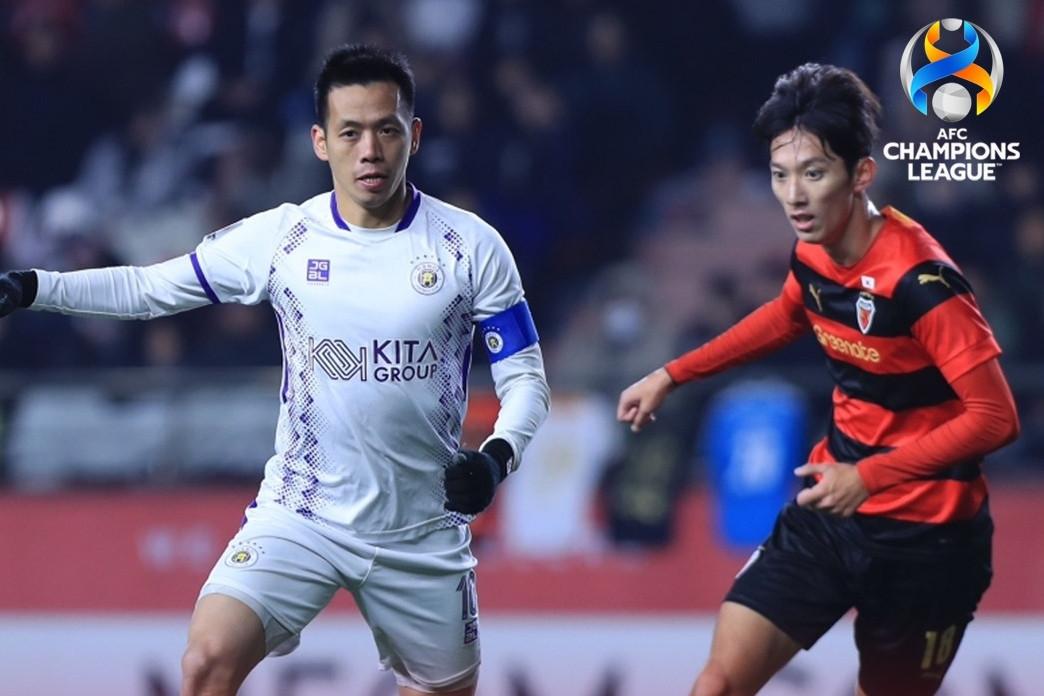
(829, 102)
(362, 64)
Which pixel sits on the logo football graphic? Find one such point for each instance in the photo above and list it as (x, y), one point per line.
(951, 100)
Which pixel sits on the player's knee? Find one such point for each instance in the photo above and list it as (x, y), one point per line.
(713, 681)
(208, 668)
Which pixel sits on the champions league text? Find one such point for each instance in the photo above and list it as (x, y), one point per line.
(951, 157)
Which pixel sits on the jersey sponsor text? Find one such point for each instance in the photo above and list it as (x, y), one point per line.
(857, 350)
(384, 360)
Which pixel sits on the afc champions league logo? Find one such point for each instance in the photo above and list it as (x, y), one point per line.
(966, 43)
(952, 63)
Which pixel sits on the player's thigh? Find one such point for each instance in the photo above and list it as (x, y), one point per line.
(913, 619)
(225, 630)
(279, 570)
(421, 603)
(746, 651)
(792, 590)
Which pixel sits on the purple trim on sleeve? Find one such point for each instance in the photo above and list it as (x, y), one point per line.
(248, 507)
(411, 209)
(203, 279)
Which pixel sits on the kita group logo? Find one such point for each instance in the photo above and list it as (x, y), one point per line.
(945, 49)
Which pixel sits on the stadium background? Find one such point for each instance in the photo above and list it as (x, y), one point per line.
(610, 144)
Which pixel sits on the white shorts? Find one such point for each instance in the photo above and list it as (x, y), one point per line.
(417, 596)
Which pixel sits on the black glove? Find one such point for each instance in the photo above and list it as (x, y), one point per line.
(472, 477)
(17, 290)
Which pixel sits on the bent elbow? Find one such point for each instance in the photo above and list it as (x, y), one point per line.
(1003, 431)
(1014, 428)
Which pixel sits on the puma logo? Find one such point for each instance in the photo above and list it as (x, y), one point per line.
(925, 278)
(814, 291)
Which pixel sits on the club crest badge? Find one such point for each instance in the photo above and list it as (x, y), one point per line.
(427, 278)
(243, 555)
(494, 341)
(865, 311)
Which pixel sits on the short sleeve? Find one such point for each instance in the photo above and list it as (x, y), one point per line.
(498, 286)
(233, 264)
(500, 308)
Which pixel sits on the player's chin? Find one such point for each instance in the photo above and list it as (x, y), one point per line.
(371, 199)
(812, 236)
(804, 232)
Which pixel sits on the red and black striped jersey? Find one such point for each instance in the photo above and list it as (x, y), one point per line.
(897, 328)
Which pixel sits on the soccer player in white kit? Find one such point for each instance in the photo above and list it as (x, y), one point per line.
(378, 290)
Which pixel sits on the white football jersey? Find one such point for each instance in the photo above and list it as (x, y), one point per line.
(376, 330)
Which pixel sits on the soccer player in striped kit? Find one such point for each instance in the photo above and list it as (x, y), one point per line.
(378, 290)
(894, 519)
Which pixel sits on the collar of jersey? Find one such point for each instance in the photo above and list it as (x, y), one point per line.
(406, 221)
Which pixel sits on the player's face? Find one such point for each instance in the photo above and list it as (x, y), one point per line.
(368, 138)
(814, 186)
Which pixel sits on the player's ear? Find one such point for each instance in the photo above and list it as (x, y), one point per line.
(319, 143)
(415, 135)
(864, 173)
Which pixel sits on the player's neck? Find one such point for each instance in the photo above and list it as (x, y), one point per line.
(860, 231)
(372, 218)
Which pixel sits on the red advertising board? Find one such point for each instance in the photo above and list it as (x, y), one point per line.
(151, 551)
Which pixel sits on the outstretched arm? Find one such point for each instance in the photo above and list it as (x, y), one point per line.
(767, 328)
(229, 265)
(124, 292)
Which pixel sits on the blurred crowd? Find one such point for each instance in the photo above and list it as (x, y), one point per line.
(609, 142)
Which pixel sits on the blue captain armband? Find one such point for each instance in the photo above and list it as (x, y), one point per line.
(508, 332)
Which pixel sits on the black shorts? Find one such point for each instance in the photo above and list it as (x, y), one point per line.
(915, 588)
